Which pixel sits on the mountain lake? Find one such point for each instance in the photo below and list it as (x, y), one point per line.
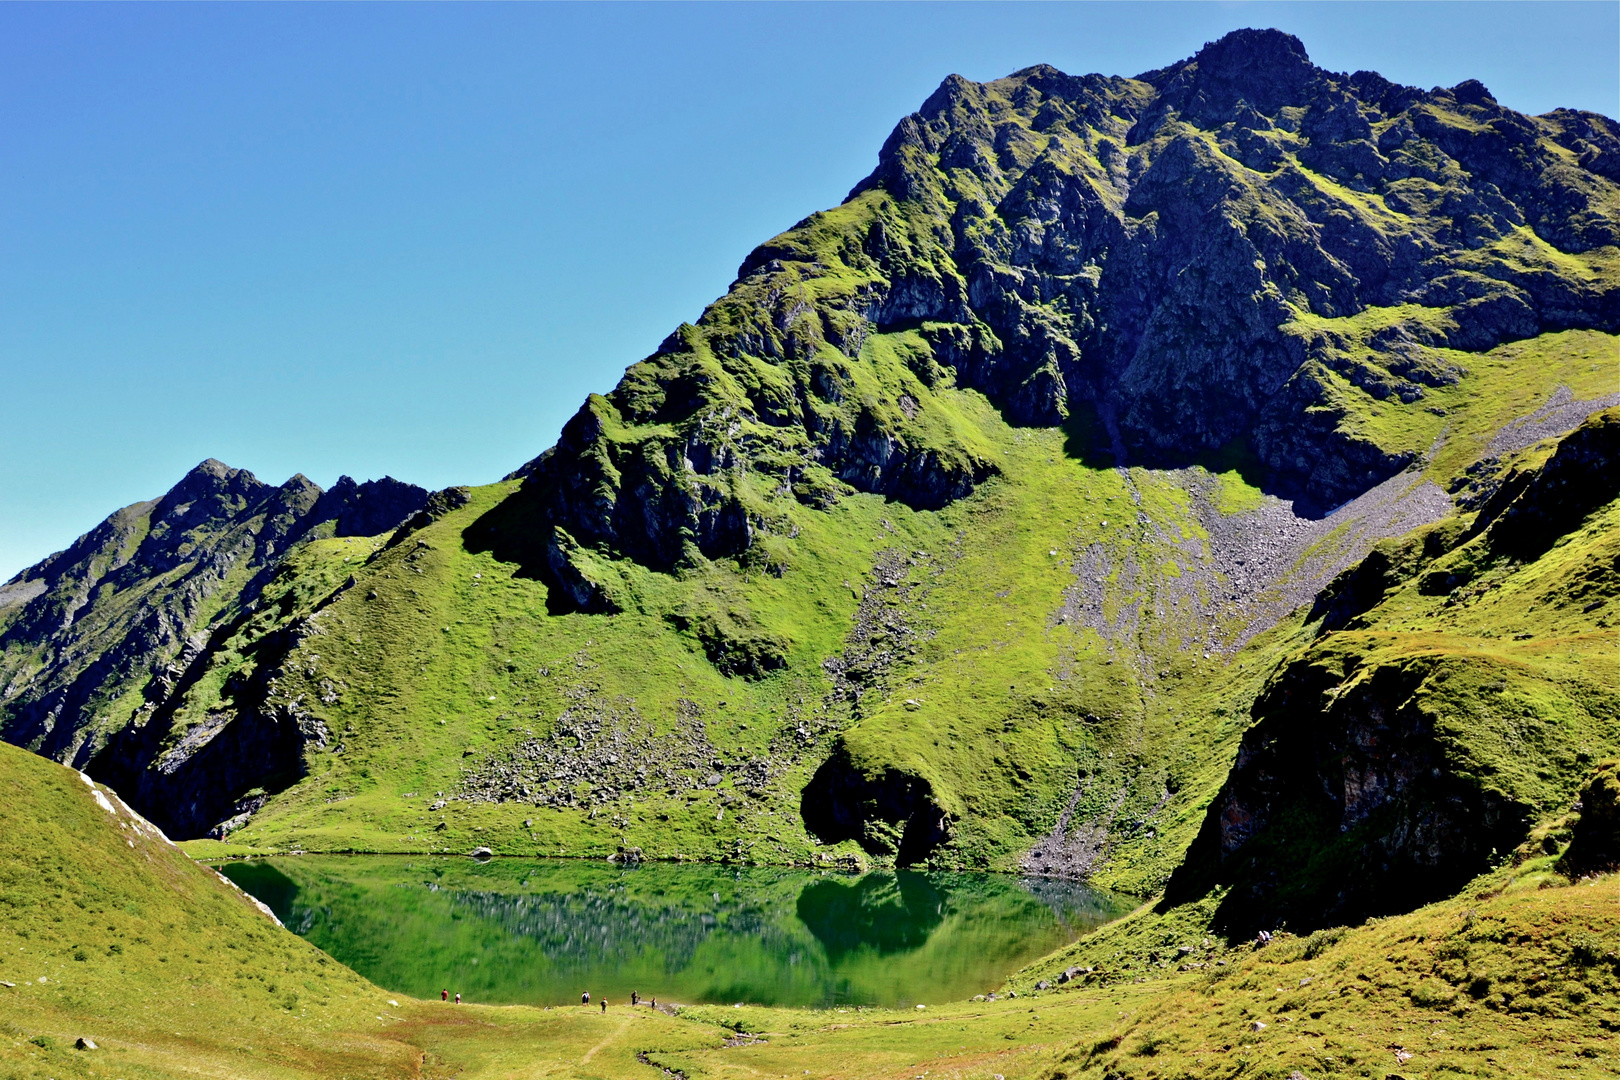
(543, 931)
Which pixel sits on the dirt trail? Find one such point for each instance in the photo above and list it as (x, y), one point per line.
(623, 1024)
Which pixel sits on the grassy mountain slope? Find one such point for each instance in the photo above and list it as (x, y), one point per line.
(1513, 979)
(1240, 248)
(1011, 650)
(109, 932)
(1199, 482)
(1461, 688)
(920, 620)
(965, 528)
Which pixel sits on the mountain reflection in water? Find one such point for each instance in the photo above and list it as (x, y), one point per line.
(542, 931)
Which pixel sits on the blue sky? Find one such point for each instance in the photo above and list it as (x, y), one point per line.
(409, 239)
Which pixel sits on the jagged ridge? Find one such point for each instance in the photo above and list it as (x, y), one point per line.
(96, 639)
(1155, 253)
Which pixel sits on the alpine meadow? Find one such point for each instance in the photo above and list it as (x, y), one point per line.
(1199, 485)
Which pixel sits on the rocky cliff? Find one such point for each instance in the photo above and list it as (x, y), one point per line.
(1241, 248)
(95, 640)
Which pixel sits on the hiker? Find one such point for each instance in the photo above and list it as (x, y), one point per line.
(635, 998)
(604, 1005)
(585, 998)
(444, 995)
(655, 1003)
(458, 999)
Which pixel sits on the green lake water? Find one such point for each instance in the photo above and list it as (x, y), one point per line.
(538, 931)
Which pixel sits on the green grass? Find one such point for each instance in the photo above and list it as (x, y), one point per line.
(443, 657)
(1514, 672)
(1458, 421)
(110, 932)
(1516, 974)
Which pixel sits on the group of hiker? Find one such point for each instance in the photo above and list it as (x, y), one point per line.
(584, 999)
(635, 999)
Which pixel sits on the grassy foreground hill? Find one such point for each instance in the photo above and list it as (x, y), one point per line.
(110, 933)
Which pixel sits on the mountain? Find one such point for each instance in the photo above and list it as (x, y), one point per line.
(1241, 250)
(95, 640)
(1133, 478)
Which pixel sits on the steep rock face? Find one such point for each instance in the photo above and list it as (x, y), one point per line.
(893, 813)
(94, 640)
(1595, 844)
(1386, 767)
(1344, 803)
(1182, 255)
(195, 779)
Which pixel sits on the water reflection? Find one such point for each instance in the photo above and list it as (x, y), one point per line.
(887, 913)
(542, 931)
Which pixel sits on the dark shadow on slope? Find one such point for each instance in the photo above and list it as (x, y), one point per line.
(1093, 440)
(890, 814)
(1343, 805)
(515, 531)
(1086, 438)
(510, 531)
(1237, 456)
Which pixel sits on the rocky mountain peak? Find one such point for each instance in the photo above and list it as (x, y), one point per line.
(210, 480)
(1265, 69)
(1238, 251)
(1473, 92)
(87, 622)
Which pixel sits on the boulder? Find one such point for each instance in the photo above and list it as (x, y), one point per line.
(1595, 846)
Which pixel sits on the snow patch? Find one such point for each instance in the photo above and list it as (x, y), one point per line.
(100, 798)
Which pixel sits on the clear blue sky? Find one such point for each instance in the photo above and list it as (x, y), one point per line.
(409, 239)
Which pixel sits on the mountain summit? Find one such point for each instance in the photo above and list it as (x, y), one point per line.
(1240, 250)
